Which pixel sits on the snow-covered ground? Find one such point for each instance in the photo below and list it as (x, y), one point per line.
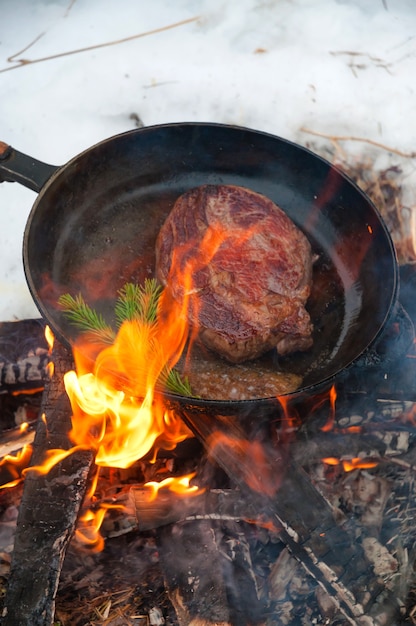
(338, 67)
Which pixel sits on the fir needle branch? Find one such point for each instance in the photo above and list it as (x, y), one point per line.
(169, 378)
(150, 299)
(135, 302)
(138, 302)
(126, 307)
(86, 319)
(174, 382)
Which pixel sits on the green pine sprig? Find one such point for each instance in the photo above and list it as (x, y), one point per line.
(175, 383)
(138, 302)
(135, 302)
(86, 319)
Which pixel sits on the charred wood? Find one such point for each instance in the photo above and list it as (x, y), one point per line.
(192, 566)
(23, 371)
(209, 574)
(305, 519)
(23, 355)
(27, 373)
(17, 408)
(248, 602)
(21, 338)
(167, 508)
(390, 440)
(48, 510)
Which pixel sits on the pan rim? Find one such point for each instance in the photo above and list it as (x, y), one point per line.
(390, 306)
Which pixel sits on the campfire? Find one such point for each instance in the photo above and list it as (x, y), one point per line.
(131, 512)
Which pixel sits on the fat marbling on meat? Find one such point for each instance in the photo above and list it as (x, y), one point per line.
(251, 294)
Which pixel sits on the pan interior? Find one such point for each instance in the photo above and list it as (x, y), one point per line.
(93, 228)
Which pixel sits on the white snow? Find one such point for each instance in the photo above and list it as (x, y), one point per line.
(339, 67)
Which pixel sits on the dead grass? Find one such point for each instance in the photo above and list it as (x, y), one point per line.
(383, 187)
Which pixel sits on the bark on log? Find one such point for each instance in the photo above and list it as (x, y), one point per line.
(21, 338)
(23, 355)
(48, 511)
(25, 374)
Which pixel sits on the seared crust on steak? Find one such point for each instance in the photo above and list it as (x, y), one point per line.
(251, 294)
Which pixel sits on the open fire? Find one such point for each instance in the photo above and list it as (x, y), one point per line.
(331, 491)
(326, 421)
(118, 408)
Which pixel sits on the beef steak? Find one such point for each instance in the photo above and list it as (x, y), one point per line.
(251, 293)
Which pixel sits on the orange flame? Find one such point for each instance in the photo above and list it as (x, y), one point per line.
(28, 392)
(15, 465)
(332, 399)
(23, 427)
(52, 457)
(291, 419)
(49, 336)
(180, 486)
(251, 460)
(88, 532)
(351, 464)
(331, 460)
(357, 463)
(118, 410)
(50, 340)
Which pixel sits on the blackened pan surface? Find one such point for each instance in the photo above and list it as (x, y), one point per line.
(94, 224)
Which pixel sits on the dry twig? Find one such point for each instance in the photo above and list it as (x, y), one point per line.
(383, 187)
(335, 138)
(23, 62)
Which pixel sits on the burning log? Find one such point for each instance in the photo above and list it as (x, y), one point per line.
(167, 508)
(48, 510)
(349, 575)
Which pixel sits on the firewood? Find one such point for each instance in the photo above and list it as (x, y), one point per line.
(209, 573)
(48, 510)
(192, 566)
(247, 600)
(23, 355)
(283, 492)
(140, 512)
(27, 373)
(167, 508)
(13, 441)
(21, 338)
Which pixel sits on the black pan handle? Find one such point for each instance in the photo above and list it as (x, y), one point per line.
(16, 167)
